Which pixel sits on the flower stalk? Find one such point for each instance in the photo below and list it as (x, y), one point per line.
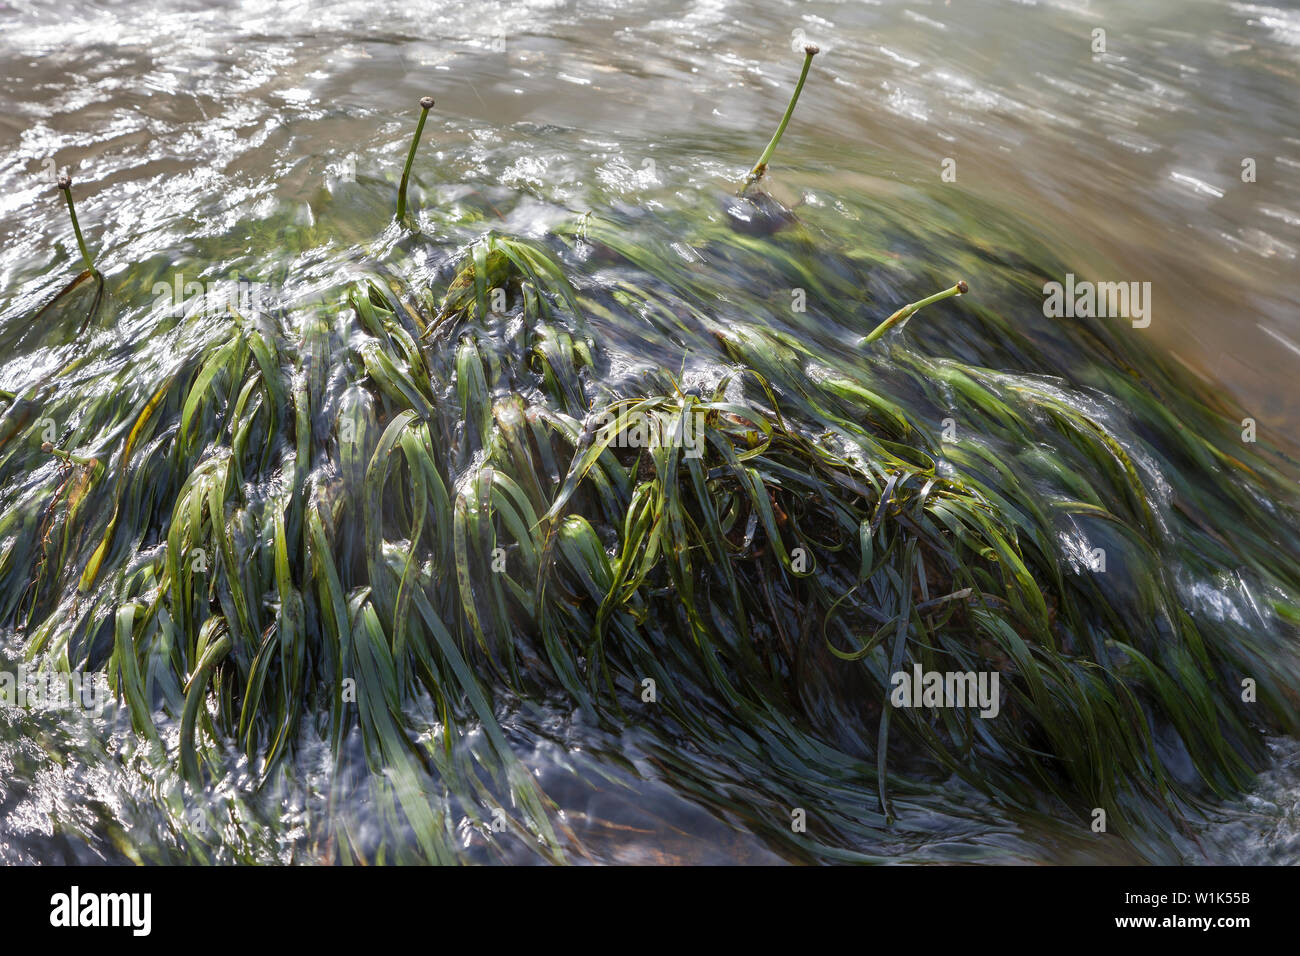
(907, 311)
(65, 185)
(760, 167)
(426, 104)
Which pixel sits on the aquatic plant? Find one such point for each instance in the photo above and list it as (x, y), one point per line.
(65, 186)
(393, 516)
(760, 167)
(907, 311)
(88, 274)
(426, 104)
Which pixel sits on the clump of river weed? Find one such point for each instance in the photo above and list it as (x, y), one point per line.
(470, 469)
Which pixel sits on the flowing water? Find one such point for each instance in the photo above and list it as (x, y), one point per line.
(1165, 151)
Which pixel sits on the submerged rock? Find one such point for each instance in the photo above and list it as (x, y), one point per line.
(756, 213)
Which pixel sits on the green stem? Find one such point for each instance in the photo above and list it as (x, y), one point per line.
(760, 167)
(68, 456)
(65, 184)
(426, 104)
(907, 311)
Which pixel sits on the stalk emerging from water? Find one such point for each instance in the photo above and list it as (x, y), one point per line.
(760, 167)
(426, 104)
(907, 311)
(65, 184)
(70, 458)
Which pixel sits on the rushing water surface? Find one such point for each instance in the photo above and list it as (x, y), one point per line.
(183, 122)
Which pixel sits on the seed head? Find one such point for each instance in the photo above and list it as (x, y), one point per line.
(812, 49)
(426, 102)
(65, 182)
(962, 287)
